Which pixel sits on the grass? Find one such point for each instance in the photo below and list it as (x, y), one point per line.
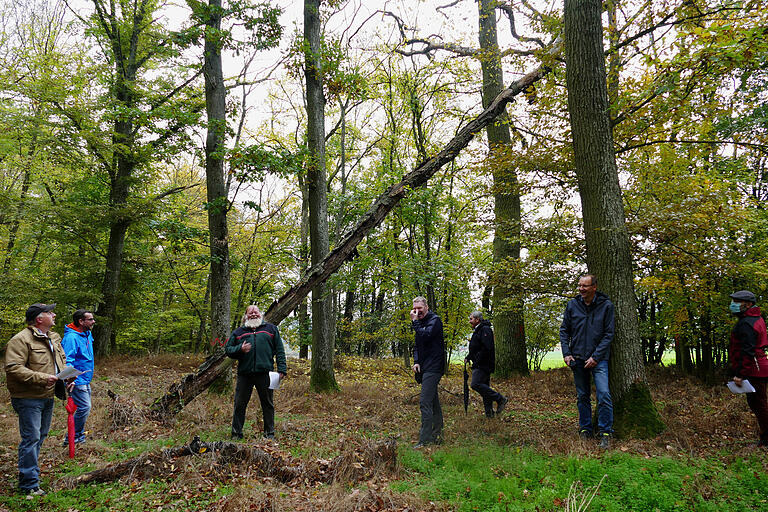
(485, 476)
(527, 459)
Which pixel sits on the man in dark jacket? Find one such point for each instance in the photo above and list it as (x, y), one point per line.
(747, 352)
(482, 353)
(585, 338)
(256, 345)
(429, 361)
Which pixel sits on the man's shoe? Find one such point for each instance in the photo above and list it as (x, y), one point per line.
(236, 437)
(31, 493)
(501, 405)
(490, 414)
(585, 434)
(419, 446)
(605, 440)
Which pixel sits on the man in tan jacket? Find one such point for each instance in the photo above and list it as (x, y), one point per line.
(33, 357)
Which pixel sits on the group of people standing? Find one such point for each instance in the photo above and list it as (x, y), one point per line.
(35, 356)
(33, 359)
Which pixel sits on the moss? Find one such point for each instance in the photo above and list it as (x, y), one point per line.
(323, 382)
(635, 415)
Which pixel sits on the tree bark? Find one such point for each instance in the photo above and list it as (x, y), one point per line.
(187, 389)
(215, 150)
(607, 240)
(509, 329)
(322, 376)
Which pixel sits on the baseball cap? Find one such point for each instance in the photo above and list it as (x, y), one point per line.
(36, 309)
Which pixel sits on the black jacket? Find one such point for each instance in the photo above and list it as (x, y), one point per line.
(587, 331)
(481, 349)
(429, 351)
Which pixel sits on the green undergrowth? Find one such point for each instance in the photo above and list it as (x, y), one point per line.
(487, 477)
(113, 497)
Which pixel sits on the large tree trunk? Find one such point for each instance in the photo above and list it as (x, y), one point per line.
(509, 331)
(188, 388)
(608, 250)
(322, 377)
(218, 204)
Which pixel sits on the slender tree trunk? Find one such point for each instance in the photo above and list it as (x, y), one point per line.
(608, 250)
(215, 149)
(322, 377)
(509, 330)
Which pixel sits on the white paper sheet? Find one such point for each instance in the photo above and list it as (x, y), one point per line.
(746, 387)
(274, 380)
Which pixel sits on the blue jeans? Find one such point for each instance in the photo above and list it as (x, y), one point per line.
(431, 413)
(81, 395)
(581, 378)
(34, 422)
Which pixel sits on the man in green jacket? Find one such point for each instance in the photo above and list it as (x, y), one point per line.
(256, 345)
(33, 357)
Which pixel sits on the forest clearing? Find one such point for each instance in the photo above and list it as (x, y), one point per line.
(703, 461)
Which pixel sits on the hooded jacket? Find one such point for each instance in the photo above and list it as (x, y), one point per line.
(266, 347)
(481, 349)
(78, 346)
(749, 343)
(429, 349)
(30, 357)
(587, 331)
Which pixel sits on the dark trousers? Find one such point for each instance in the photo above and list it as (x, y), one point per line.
(758, 402)
(431, 413)
(245, 384)
(481, 382)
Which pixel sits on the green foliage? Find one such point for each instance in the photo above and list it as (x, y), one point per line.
(487, 477)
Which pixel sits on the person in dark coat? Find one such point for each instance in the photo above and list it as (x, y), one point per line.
(585, 338)
(429, 361)
(747, 353)
(482, 354)
(256, 345)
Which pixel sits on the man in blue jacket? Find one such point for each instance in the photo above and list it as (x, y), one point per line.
(429, 362)
(78, 345)
(585, 338)
(256, 345)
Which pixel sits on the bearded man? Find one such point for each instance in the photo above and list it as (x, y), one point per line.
(256, 346)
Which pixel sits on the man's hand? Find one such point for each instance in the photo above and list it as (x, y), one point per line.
(414, 315)
(590, 363)
(282, 375)
(568, 360)
(416, 368)
(245, 347)
(71, 384)
(51, 380)
(738, 381)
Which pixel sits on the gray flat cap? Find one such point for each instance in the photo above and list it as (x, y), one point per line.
(744, 295)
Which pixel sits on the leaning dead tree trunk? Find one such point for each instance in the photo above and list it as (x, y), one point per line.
(192, 385)
(358, 464)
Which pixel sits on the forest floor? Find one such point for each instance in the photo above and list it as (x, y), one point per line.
(378, 400)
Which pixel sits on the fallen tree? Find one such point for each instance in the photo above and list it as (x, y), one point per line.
(356, 464)
(192, 385)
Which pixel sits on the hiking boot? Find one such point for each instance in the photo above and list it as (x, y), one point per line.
(501, 405)
(490, 414)
(236, 437)
(419, 446)
(605, 440)
(585, 434)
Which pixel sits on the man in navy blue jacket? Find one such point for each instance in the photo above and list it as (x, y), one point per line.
(429, 361)
(585, 338)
